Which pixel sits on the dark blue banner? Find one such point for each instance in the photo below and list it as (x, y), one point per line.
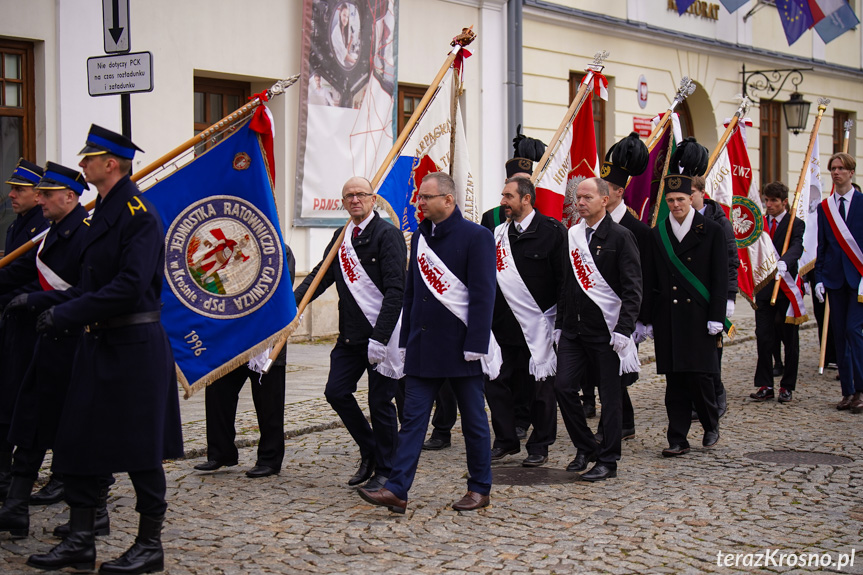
(227, 292)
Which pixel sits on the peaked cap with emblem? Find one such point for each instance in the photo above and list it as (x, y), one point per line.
(25, 174)
(527, 151)
(625, 159)
(103, 141)
(59, 177)
(689, 160)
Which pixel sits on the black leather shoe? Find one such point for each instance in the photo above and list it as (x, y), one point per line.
(521, 433)
(364, 471)
(589, 411)
(51, 493)
(627, 433)
(261, 471)
(15, 513)
(599, 472)
(784, 395)
(674, 451)
(500, 452)
(711, 438)
(146, 555)
(435, 444)
(534, 460)
(375, 483)
(763, 394)
(78, 550)
(212, 465)
(778, 370)
(580, 462)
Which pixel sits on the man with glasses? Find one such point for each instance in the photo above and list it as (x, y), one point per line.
(369, 277)
(838, 272)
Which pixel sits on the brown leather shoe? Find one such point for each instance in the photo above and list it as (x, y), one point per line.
(385, 498)
(857, 403)
(471, 502)
(845, 403)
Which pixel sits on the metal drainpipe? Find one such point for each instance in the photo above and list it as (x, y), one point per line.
(514, 65)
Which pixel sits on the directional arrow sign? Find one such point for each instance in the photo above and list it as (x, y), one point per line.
(115, 19)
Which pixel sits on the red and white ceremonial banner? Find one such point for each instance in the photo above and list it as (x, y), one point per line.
(575, 160)
(808, 208)
(730, 184)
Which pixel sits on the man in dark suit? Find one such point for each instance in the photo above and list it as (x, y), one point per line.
(770, 319)
(524, 310)
(687, 287)
(121, 411)
(39, 404)
(17, 339)
(838, 272)
(446, 333)
(596, 313)
(369, 275)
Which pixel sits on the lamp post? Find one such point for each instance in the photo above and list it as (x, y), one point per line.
(796, 109)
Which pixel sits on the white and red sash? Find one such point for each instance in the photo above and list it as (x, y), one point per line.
(537, 325)
(796, 313)
(454, 295)
(597, 289)
(845, 239)
(48, 278)
(370, 299)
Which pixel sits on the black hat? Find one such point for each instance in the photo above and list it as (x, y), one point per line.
(626, 158)
(102, 141)
(59, 177)
(527, 151)
(25, 174)
(689, 160)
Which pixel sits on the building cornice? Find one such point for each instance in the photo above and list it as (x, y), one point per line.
(551, 13)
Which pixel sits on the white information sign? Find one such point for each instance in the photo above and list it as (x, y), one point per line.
(120, 74)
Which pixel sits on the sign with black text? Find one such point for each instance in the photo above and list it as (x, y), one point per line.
(120, 74)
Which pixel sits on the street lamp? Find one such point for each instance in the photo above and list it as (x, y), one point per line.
(795, 110)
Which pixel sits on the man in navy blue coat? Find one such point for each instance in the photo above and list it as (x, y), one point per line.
(122, 410)
(840, 275)
(439, 345)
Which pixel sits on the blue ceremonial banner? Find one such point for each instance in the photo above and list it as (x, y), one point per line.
(227, 294)
(796, 18)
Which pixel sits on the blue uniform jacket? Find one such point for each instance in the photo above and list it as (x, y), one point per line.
(435, 339)
(833, 268)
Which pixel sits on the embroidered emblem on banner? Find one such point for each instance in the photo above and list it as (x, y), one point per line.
(747, 221)
(223, 257)
(242, 161)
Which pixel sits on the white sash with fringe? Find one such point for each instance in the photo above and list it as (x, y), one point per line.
(369, 298)
(845, 239)
(454, 295)
(597, 289)
(48, 278)
(537, 325)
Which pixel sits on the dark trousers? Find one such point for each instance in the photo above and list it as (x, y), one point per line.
(420, 393)
(445, 410)
(268, 394)
(502, 395)
(27, 461)
(718, 388)
(573, 357)
(683, 390)
(83, 490)
(378, 441)
(818, 309)
(846, 323)
(588, 393)
(770, 325)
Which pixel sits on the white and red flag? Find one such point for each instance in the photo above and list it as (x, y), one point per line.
(807, 210)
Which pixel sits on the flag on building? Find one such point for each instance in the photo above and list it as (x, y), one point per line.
(436, 144)
(834, 18)
(574, 160)
(796, 17)
(227, 294)
(733, 5)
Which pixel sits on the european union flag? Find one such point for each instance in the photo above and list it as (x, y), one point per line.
(796, 18)
(227, 293)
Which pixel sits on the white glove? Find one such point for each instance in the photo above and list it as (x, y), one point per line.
(781, 268)
(620, 343)
(714, 327)
(377, 352)
(473, 356)
(402, 354)
(640, 333)
(819, 291)
(555, 335)
(729, 308)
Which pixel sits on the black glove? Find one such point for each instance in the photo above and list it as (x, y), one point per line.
(18, 302)
(45, 321)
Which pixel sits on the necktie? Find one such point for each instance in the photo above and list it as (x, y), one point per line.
(357, 231)
(588, 232)
(518, 227)
(772, 226)
(842, 208)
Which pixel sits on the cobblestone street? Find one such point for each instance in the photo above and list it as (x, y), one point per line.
(658, 516)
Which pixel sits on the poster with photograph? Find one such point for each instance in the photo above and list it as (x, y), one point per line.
(348, 86)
